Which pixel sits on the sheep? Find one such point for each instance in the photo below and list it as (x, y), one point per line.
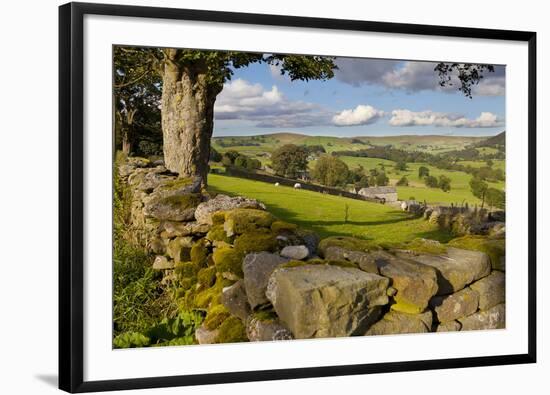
(297, 185)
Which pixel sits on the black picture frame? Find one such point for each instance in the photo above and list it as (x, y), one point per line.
(71, 204)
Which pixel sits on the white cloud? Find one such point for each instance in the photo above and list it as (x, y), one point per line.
(439, 119)
(240, 99)
(360, 115)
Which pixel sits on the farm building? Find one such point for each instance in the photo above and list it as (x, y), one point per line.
(388, 194)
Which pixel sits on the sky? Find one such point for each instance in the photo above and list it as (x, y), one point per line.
(366, 97)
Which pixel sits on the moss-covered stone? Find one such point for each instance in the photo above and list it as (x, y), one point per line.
(424, 246)
(218, 218)
(281, 227)
(177, 183)
(264, 315)
(242, 220)
(199, 252)
(217, 233)
(211, 296)
(186, 270)
(260, 240)
(232, 330)
(188, 200)
(215, 316)
(349, 243)
(186, 283)
(206, 277)
(494, 248)
(227, 259)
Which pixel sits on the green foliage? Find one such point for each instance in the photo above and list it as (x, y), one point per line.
(478, 187)
(431, 182)
(403, 181)
(330, 171)
(131, 340)
(401, 165)
(181, 327)
(444, 183)
(179, 330)
(423, 171)
(495, 198)
(382, 180)
(215, 156)
(289, 160)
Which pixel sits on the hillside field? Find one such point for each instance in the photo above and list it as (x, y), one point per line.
(325, 214)
(260, 147)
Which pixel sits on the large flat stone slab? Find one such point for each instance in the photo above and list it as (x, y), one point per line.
(326, 301)
(456, 269)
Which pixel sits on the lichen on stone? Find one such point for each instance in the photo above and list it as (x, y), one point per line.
(282, 227)
(186, 270)
(227, 259)
(242, 220)
(199, 252)
(232, 330)
(218, 217)
(206, 277)
(215, 316)
(260, 240)
(217, 233)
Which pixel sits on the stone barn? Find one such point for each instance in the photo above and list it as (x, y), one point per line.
(387, 194)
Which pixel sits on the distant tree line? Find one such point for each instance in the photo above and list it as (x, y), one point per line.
(441, 161)
(234, 158)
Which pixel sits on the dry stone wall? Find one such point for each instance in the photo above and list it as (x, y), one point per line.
(257, 278)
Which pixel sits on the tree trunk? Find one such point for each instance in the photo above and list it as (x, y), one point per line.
(127, 130)
(126, 143)
(187, 116)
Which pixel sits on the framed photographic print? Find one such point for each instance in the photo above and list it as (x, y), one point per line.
(332, 194)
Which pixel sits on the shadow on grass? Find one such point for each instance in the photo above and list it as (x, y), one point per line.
(320, 226)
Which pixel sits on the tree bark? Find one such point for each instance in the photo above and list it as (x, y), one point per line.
(188, 99)
(127, 130)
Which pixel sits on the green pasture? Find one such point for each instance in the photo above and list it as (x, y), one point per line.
(460, 181)
(325, 214)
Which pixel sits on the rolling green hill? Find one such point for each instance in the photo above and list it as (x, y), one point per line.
(268, 142)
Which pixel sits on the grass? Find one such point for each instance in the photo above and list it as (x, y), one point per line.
(460, 181)
(325, 214)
